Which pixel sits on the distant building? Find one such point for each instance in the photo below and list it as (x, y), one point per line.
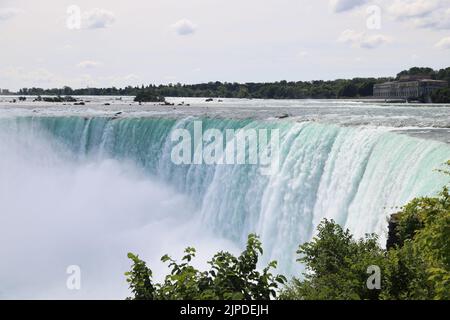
(408, 88)
(4, 92)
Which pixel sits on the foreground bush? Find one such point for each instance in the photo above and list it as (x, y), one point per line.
(416, 266)
(230, 278)
(419, 266)
(336, 266)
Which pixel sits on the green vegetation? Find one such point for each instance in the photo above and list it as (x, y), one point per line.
(52, 99)
(358, 87)
(341, 88)
(230, 278)
(416, 265)
(276, 90)
(336, 266)
(442, 74)
(419, 266)
(441, 96)
(67, 91)
(148, 96)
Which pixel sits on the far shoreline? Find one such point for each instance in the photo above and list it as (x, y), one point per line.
(211, 99)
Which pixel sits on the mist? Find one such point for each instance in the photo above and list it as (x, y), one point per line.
(57, 211)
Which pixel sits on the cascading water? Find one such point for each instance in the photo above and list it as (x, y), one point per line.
(354, 175)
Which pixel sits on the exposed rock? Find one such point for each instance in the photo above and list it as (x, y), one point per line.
(392, 239)
(117, 115)
(283, 116)
(148, 96)
(54, 99)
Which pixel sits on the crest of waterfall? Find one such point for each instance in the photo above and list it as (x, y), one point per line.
(354, 175)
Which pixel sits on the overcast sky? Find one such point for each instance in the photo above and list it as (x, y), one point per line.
(51, 43)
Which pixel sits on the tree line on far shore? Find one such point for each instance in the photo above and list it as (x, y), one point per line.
(319, 89)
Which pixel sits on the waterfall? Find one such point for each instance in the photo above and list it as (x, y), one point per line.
(354, 175)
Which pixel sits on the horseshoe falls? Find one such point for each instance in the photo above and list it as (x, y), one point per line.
(86, 186)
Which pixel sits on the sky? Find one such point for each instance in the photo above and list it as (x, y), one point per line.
(102, 43)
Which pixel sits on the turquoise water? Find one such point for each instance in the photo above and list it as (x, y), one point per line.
(354, 175)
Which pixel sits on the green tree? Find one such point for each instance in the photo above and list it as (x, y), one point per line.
(336, 266)
(230, 277)
(348, 91)
(419, 267)
(416, 266)
(418, 71)
(366, 88)
(441, 95)
(140, 279)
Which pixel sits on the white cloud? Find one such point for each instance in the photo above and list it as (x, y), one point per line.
(345, 5)
(97, 19)
(350, 36)
(374, 41)
(302, 54)
(8, 13)
(362, 40)
(431, 14)
(184, 27)
(443, 43)
(88, 64)
(439, 20)
(412, 8)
